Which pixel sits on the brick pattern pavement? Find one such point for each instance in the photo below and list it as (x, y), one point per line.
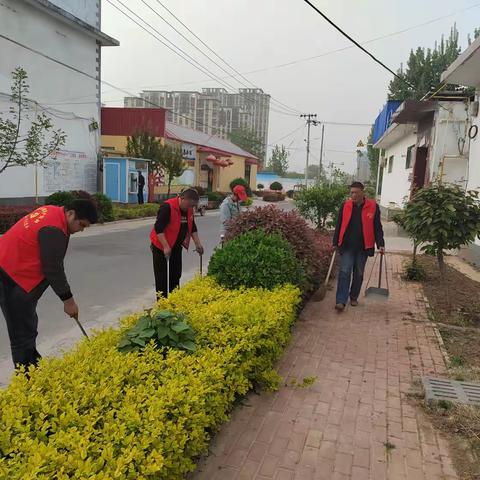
(356, 421)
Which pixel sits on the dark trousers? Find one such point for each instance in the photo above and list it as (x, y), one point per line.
(350, 277)
(140, 196)
(160, 269)
(20, 311)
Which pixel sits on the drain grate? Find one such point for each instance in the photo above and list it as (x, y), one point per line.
(451, 390)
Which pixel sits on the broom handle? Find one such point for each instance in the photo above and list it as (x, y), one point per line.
(331, 266)
(381, 268)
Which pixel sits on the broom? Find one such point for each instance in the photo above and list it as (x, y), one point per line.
(322, 291)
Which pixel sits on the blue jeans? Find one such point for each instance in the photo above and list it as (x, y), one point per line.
(350, 262)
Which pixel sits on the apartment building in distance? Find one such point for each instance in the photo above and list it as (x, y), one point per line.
(214, 111)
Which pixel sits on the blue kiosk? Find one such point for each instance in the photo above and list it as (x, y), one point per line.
(120, 178)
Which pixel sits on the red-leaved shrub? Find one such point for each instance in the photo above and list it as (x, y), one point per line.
(312, 247)
(10, 215)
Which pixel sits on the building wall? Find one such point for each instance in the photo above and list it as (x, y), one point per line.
(474, 167)
(86, 10)
(449, 128)
(54, 87)
(396, 184)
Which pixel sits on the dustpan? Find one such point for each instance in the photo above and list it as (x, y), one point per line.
(378, 292)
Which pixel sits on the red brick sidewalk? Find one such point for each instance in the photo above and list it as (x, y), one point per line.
(355, 422)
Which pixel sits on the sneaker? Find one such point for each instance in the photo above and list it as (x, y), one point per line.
(354, 302)
(340, 307)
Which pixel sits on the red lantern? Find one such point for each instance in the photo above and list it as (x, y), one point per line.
(211, 158)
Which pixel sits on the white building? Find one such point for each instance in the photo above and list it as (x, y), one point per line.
(425, 141)
(58, 43)
(466, 71)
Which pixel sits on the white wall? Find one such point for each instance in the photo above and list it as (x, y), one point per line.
(86, 10)
(57, 89)
(396, 185)
(450, 126)
(474, 159)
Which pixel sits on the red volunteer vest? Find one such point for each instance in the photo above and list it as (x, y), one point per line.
(20, 250)
(173, 228)
(368, 215)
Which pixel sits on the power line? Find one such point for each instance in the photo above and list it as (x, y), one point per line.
(171, 46)
(212, 51)
(373, 57)
(287, 135)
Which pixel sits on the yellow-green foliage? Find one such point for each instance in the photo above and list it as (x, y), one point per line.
(100, 414)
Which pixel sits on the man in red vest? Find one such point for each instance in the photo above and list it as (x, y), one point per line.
(173, 229)
(31, 260)
(358, 229)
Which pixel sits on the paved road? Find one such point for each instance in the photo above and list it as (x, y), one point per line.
(110, 272)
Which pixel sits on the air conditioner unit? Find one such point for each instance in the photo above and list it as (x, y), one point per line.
(474, 109)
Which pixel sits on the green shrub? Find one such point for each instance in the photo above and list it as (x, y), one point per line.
(260, 186)
(164, 328)
(104, 206)
(60, 199)
(415, 272)
(244, 183)
(215, 196)
(101, 414)
(256, 259)
(135, 211)
(276, 186)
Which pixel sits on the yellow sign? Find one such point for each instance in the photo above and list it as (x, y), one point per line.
(360, 144)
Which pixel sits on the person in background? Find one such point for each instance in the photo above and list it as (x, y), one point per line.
(230, 207)
(358, 229)
(141, 186)
(173, 229)
(31, 260)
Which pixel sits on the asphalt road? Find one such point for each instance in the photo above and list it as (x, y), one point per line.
(110, 272)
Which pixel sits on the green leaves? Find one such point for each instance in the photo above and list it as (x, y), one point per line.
(256, 259)
(164, 328)
(20, 146)
(444, 217)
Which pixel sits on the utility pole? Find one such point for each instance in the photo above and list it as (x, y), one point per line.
(310, 119)
(320, 166)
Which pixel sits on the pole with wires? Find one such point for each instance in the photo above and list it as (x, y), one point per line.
(310, 119)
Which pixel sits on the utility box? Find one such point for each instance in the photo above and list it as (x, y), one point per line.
(121, 178)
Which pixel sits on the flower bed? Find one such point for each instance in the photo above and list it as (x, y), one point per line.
(98, 413)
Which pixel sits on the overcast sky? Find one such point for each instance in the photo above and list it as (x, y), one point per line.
(345, 86)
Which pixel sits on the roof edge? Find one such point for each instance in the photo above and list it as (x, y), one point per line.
(66, 17)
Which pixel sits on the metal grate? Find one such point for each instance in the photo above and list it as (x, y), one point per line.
(451, 390)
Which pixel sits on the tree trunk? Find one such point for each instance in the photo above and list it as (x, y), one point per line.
(169, 185)
(415, 247)
(441, 261)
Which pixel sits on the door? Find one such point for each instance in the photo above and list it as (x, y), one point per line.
(112, 181)
(419, 169)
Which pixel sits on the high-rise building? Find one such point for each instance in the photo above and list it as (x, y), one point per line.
(213, 111)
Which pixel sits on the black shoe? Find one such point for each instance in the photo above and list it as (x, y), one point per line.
(340, 307)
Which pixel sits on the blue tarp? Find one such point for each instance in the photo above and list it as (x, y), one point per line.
(384, 118)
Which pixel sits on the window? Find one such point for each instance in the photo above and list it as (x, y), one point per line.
(390, 164)
(133, 182)
(408, 161)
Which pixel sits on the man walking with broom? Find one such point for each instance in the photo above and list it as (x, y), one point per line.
(358, 229)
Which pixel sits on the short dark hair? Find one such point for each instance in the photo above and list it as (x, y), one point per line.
(190, 194)
(359, 185)
(84, 209)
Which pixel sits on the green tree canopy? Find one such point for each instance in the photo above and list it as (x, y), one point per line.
(278, 162)
(247, 139)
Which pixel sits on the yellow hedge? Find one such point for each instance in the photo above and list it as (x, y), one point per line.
(100, 414)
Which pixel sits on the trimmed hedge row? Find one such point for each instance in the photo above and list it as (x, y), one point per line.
(100, 414)
(10, 215)
(135, 211)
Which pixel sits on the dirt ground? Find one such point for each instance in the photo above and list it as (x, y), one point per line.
(455, 308)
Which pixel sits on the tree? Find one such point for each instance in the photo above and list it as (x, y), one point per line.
(443, 217)
(170, 160)
(424, 69)
(21, 146)
(143, 145)
(321, 203)
(278, 162)
(248, 140)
